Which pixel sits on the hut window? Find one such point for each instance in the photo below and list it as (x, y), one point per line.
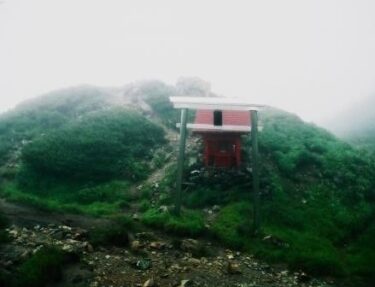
(218, 118)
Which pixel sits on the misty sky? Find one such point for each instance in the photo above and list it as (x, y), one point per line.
(313, 58)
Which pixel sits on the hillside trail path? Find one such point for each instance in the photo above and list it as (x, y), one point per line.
(28, 216)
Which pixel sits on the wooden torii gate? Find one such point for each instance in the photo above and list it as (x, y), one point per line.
(218, 104)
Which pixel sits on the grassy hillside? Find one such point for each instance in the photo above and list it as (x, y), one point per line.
(90, 154)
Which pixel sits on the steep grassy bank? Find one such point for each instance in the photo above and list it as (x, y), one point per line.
(88, 165)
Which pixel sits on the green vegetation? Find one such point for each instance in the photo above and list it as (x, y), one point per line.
(102, 146)
(62, 200)
(189, 223)
(43, 267)
(43, 114)
(88, 165)
(230, 225)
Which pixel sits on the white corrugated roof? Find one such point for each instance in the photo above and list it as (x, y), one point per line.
(212, 103)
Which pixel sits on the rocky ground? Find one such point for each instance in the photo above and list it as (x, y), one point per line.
(151, 259)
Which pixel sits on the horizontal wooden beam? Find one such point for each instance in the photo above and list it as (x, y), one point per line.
(213, 103)
(224, 128)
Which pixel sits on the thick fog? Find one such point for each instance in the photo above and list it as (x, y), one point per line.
(314, 58)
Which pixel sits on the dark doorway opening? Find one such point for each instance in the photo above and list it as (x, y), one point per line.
(218, 118)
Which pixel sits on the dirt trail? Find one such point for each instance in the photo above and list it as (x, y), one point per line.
(28, 216)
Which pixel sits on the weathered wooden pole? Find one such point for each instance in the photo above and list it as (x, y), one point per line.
(255, 170)
(180, 163)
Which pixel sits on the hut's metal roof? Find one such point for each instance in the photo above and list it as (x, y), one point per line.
(213, 103)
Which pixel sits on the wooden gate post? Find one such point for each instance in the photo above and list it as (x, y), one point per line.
(180, 163)
(255, 170)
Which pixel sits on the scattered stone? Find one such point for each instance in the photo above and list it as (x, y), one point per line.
(193, 261)
(59, 235)
(135, 216)
(190, 245)
(303, 277)
(157, 245)
(186, 283)
(216, 208)
(275, 241)
(66, 228)
(143, 264)
(13, 233)
(149, 283)
(68, 248)
(203, 260)
(233, 268)
(89, 248)
(25, 254)
(163, 209)
(135, 245)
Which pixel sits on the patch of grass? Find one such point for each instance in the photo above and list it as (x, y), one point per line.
(230, 223)
(201, 197)
(59, 203)
(107, 192)
(299, 249)
(144, 205)
(43, 267)
(188, 223)
(361, 257)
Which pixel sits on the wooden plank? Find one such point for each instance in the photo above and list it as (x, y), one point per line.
(226, 128)
(255, 171)
(180, 163)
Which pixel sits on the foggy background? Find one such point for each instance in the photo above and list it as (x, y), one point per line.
(313, 58)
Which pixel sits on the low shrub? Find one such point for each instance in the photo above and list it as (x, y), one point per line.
(102, 146)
